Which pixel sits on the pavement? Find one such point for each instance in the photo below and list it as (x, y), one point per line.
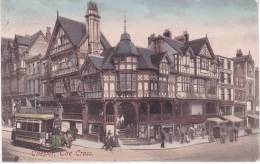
(98, 145)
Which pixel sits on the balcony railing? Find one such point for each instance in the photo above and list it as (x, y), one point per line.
(46, 98)
(167, 117)
(63, 71)
(73, 116)
(110, 118)
(95, 118)
(155, 117)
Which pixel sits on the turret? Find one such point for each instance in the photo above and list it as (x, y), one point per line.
(93, 27)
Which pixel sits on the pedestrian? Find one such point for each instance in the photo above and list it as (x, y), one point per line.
(236, 133)
(122, 119)
(127, 131)
(118, 122)
(162, 139)
(182, 137)
(203, 132)
(170, 136)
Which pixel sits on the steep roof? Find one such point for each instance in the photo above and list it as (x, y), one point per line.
(4, 43)
(76, 31)
(22, 40)
(97, 61)
(243, 58)
(125, 47)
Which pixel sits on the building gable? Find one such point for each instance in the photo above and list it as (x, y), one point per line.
(205, 51)
(38, 47)
(89, 68)
(60, 40)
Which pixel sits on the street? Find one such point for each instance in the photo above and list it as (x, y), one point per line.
(245, 149)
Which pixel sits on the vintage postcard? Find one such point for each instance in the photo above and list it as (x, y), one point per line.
(129, 80)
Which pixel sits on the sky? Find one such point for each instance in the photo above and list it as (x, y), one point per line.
(229, 24)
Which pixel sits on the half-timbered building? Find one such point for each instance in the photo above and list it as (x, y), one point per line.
(71, 42)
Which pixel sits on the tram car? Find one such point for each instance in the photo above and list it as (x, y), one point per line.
(39, 130)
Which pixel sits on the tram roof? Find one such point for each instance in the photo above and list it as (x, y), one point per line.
(35, 116)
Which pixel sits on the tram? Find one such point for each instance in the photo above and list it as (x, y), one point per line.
(40, 130)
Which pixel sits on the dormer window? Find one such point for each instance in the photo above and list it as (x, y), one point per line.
(127, 63)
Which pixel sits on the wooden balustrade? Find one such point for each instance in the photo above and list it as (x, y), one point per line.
(110, 118)
(76, 116)
(95, 118)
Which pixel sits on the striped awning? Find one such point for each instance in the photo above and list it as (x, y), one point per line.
(216, 119)
(35, 116)
(232, 118)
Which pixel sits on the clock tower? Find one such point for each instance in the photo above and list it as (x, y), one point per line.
(93, 29)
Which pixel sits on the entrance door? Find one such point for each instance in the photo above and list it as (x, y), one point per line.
(127, 110)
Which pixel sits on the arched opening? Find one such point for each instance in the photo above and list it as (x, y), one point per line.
(127, 110)
(110, 113)
(109, 109)
(167, 108)
(95, 108)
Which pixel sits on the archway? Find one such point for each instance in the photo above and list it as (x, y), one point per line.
(127, 110)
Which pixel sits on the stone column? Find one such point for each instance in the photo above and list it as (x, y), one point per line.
(136, 105)
(148, 121)
(161, 106)
(85, 117)
(115, 115)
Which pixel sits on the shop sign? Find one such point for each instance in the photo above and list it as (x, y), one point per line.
(79, 127)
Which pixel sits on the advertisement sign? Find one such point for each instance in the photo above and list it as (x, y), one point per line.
(79, 127)
(65, 125)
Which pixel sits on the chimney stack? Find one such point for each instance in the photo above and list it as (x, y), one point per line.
(186, 36)
(151, 38)
(48, 33)
(239, 53)
(167, 33)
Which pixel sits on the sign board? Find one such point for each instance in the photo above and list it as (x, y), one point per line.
(248, 105)
(65, 125)
(196, 109)
(79, 127)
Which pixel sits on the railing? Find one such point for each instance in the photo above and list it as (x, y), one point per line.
(110, 118)
(76, 116)
(155, 117)
(95, 118)
(46, 98)
(63, 71)
(143, 118)
(167, 117)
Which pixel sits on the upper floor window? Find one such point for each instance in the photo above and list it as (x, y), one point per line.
(221, 63)
(228, 64)
(127, 82)
(204, 64)
(228, 78)
(109, 85)
(222, 93)
(229, 94)
(164, 66)
(127, 63)
(222, 77)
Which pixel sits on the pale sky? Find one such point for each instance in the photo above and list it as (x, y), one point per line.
(229, 24)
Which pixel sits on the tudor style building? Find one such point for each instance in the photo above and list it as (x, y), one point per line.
(70, 44)
(162, 85)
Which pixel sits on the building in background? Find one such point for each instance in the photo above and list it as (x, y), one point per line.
(36, 49)
(225, 85)
(244, 84)
(6, 67)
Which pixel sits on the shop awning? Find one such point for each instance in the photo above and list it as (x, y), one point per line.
(35, 116)
(255, 116)
(216, 119)
(232, 118)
